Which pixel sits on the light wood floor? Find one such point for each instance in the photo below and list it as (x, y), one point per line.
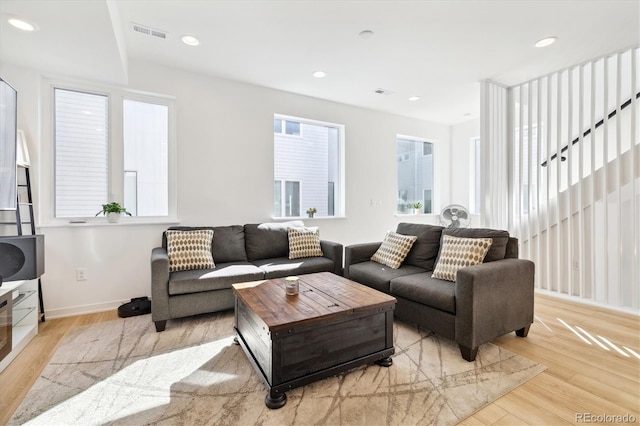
(580, 378)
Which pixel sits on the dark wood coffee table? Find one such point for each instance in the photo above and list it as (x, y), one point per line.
(332, 325)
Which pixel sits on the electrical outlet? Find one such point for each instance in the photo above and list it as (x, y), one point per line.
(81, 274)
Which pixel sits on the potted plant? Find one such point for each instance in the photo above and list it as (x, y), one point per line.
(311, 211)
(113, 211)
(416, 207)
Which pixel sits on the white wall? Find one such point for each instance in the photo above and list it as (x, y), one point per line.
(225, 176)
(461, 159)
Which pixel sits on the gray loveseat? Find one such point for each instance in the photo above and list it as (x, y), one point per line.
(485, 301)
(241, 253)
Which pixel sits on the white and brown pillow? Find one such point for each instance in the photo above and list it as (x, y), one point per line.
(457, 253)
(190, 249)
(394, 249)
(304, 242)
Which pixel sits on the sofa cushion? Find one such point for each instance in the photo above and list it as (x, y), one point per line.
(425, 250)
(304, 242)
(227, 244)
(498, 247)
(512, 249)
(189, 249)
(221, 277)
(457, 253)
(281, 266)
(268, 240)
(378, 276)
(423, 289)
(394, 249)
(181, 228)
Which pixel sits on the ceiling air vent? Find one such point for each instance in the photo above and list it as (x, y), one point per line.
(384, 92)
(148, 31)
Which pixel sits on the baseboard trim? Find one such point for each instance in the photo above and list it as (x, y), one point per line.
(83, 309)
(579, 300)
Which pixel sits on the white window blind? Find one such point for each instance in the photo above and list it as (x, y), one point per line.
(81, 153)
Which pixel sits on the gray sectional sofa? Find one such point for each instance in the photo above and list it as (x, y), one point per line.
(485, 301)
(241, 253)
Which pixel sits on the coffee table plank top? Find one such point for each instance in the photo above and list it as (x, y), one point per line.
(321, 296)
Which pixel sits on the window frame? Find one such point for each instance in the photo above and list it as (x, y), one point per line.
(115, 160)
(339, 183)
(435, 189)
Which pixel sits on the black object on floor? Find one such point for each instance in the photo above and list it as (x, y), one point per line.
(137, 306)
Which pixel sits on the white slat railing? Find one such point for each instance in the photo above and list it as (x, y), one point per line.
(573, 188)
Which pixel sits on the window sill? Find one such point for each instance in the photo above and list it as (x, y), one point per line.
(88, 223)
(415, 214)
(287, 219)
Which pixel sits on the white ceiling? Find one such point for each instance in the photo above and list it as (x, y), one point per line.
(437, 50)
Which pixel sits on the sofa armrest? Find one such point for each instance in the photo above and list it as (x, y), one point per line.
(357, 253)
(159, 284)
(333, 251)
(493, 299)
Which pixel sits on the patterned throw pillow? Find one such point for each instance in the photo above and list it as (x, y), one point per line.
(304, 242)
(457, 253)
(394, 249)
(190, 249)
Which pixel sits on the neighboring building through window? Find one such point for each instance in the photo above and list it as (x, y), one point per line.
(307, 167)
(287, 197)
(88, 145)
(414, 174)
(286, 127)
(146, 161)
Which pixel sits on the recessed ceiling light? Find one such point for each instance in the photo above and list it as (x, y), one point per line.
(546, 41)
(384, 92)
(22, 24)
(414, 98)
(319, 74)
(190, 40)
(366, 34)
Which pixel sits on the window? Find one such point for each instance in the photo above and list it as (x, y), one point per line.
(111, 146)
(286, 127)
(289, 204)
(414, 174)
(308, 169)
(428, 201)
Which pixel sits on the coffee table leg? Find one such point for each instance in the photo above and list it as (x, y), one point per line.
(385, 362)
(275, 400)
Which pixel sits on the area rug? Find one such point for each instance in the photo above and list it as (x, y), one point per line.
(123, 372)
